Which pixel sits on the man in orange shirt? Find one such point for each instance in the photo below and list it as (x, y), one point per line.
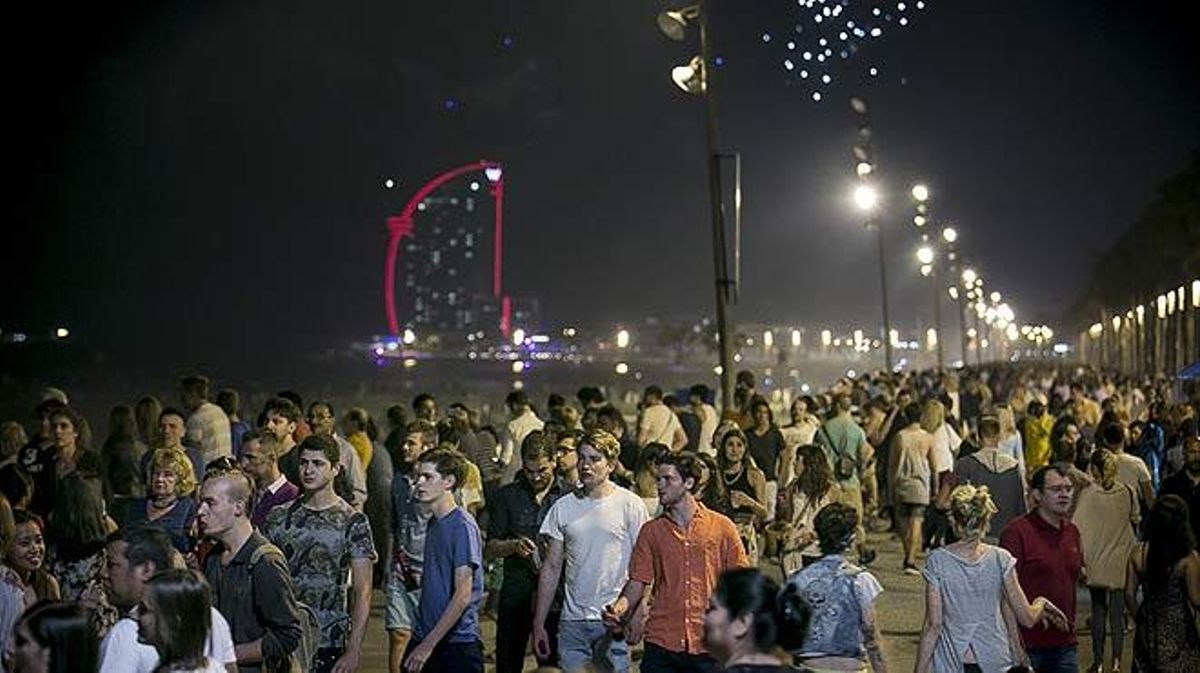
(681, 554)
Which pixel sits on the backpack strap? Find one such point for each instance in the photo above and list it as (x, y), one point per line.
(262, 550)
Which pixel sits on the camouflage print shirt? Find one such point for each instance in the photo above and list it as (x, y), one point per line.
(320, 546)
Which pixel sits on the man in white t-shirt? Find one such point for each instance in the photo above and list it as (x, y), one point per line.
(1131, 470)
(524, 421)
(134, 556)
(707, 413)
(207, 425)
(658, 423)
(590, 535)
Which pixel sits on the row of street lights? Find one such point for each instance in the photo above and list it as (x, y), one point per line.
(933, 251)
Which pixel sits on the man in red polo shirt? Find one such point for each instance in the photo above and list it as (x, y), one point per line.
(1046, 546)
(681, 554)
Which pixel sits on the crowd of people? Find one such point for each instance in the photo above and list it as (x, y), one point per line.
(193, 540)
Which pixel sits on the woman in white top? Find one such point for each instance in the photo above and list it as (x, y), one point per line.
(175, 616)
(941, 464)
(1010, 437)
(1106, 514)
(812, 488)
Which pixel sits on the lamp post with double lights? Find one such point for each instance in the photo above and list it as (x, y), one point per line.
(866, 197)
(697, 78)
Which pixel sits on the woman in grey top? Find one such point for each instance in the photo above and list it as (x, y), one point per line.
(973, 601)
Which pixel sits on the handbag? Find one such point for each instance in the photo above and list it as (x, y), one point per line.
(844, 467)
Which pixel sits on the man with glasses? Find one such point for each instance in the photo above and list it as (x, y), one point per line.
(1046, 546)
(591, 535)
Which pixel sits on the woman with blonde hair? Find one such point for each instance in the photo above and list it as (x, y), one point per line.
(941, 464)
(973, 601)
(169, 505)
(1106, 514)
(1010, 437)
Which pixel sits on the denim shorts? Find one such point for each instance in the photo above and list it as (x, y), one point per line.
(401, 611)
(586, 643)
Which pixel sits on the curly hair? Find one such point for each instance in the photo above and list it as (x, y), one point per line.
(178, 463)
(971, 511)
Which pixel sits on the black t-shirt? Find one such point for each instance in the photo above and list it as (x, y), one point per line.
(691, 428)
(765, 450)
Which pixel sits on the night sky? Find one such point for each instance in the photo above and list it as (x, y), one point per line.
(205, 176)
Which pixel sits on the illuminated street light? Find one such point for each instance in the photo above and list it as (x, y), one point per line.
(623, 339)
(62, 332)
(673, 23)
(690, 78)
(518, 336)
(969, 276)
(622, 368)
(953, 292)
(925, 254)
(995, 297)
(409, 337)
(863, 168)
(920, 193)
(865, 197)
(927, 270)
(950, 234)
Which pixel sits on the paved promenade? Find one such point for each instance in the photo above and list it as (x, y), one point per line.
(902, 609)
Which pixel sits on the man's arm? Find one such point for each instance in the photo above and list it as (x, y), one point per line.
(360, 612)
(275, 609)
(679, 438)
(548, 582)
(547, 586)
(459, 600)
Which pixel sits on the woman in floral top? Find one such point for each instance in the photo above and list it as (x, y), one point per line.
(77, 531)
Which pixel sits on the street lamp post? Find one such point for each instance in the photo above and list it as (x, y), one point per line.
(929, 262)
(866, 198)
(697, 78)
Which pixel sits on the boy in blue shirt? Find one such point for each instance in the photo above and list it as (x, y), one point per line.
(447, 634)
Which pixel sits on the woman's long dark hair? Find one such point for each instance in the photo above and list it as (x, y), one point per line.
(780, 618)
(1169, 538)
(182, 609)
(77, 526)
(817, 477)
(64, 629)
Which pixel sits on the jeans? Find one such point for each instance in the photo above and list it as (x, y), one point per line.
(583, 644)
(1108, 610)
(1063, 659)
(661, 660)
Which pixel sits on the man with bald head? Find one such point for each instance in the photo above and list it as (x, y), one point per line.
(251, 584)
